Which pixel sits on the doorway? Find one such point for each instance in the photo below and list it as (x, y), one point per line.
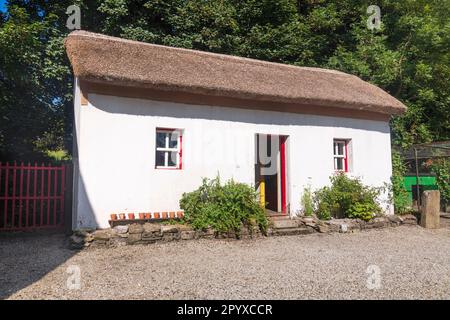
(270, 172)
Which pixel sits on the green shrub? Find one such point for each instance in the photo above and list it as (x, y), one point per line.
(441, 168)
(223, 207)
(398, 192)
(345, 197)
(363, 211)
(307, 202)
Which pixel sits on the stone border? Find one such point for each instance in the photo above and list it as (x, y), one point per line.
(149, 233)
(355, 225)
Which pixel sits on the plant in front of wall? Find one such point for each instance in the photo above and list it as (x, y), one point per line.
(397, 189)
(363, 211)
(441, 168)
(307, 202)
(347, 198)
(225, 208)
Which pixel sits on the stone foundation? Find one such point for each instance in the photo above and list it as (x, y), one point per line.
(149, 233)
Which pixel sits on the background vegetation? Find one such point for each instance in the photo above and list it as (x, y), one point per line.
(408, 57)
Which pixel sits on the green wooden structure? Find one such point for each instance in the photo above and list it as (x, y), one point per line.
(415, 159)
(426, 182)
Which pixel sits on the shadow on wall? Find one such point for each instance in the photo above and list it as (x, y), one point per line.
(83, 205)
(27, 257)
(140, 107)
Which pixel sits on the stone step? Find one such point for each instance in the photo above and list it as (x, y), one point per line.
(284, 223)
(279, 217)
(291, 231)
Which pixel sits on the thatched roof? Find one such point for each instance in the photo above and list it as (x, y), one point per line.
(102, 59)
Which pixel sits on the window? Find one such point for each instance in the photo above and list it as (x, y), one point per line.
(168, 149)
(340, 150)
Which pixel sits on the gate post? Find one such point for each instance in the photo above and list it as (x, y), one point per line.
(430, 209)
(68, 198)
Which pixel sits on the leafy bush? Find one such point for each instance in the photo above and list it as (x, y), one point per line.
(307, 202)
(441, 168)
(346, 198)
(398, 192)
(223, 207)
(363, 211)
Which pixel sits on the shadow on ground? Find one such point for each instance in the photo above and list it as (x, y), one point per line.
(26, 258)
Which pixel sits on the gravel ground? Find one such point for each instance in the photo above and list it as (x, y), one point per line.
(414, 264)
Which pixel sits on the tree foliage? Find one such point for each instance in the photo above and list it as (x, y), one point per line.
(408, 57)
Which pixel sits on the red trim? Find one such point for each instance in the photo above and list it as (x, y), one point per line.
(181, 151)
(167, 129)
(283, 172)
(346, 156)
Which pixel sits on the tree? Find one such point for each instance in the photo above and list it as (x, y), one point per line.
(408, 57)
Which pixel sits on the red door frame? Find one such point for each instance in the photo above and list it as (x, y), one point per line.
(283, 172)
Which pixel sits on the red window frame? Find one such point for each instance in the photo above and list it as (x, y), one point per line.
(344, 156)
(179, 150)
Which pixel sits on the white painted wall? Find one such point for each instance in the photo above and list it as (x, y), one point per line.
(116, 152)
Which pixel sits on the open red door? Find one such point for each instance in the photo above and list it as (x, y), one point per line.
(283, 172)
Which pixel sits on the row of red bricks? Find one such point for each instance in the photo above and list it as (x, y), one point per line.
(148, 215)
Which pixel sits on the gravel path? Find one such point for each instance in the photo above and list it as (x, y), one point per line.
(414, 264)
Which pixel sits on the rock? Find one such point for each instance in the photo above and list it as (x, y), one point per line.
(244, 231)
(187, 235)
(135, 228)
(122, 235)
(183, 227)
(84, 232)
(394, 219)
(311, 225)
(170, 236)
(373, 224)
(334, 227)
(409, 219)
(169, 229)
(118, 241)
(343, 228)
(221, 235)
(323, 228)
(152, 228)
(285, 223)
(206, 234)
(152, 232)
(101, 235)
(120, 229)
(89, 238)
(76, 240)
(99, 244)
(429, 217)
(309, 220)
(134, 238)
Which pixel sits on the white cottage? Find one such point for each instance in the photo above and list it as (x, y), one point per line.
(151, 121)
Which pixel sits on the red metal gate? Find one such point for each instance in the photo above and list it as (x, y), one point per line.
(32, 196)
